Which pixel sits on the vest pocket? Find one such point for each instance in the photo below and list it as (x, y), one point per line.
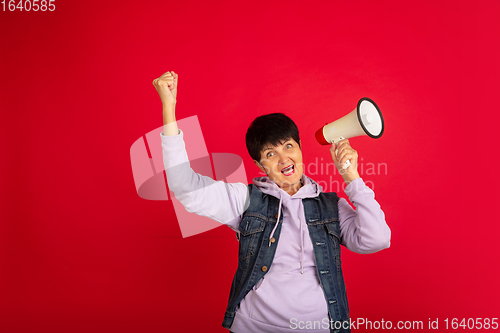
(251, 224)
(251, 228)
(333, 229)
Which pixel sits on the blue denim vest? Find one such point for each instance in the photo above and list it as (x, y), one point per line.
(256, 256)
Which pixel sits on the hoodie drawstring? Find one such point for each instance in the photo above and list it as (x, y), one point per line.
(277, 220)
(301, 236)
(301, 247)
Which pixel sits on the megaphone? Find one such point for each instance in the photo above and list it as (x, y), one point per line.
(366, 119)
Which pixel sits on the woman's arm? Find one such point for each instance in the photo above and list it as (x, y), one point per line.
(363, 230)
(166, 86)
(223, 202)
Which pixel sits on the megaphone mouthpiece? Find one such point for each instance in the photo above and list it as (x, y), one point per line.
(321, 137)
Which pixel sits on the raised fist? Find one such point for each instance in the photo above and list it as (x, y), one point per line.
(166, 86)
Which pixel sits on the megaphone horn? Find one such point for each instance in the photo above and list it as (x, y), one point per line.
(366, 119)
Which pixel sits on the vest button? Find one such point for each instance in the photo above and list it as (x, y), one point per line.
(272, 240)
(264, 268)
(276, 216)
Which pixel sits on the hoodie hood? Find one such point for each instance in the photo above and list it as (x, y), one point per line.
(309, 189)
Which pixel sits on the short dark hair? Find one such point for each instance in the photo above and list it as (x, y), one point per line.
(270, 128)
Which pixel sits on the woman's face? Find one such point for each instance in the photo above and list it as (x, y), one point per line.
(283, 164)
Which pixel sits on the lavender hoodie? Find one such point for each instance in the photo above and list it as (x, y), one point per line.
(290, 292)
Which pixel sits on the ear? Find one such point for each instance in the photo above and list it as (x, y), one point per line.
(260, 166)
(300, 144)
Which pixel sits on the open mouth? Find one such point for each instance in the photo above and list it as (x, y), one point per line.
(289, 170)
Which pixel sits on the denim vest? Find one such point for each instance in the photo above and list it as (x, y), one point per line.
(256, 256)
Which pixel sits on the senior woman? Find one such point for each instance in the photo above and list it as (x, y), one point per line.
(289, 274)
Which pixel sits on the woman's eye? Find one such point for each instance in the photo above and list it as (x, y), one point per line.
(270, 154)
(289, 145)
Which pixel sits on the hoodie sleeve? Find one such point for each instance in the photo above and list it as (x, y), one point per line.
(363, 230)
(223, 202)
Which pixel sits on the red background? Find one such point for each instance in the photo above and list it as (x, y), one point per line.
(81, 252)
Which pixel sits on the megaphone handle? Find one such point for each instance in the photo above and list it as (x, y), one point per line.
(348, 162)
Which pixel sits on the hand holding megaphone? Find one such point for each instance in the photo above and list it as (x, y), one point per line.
(366, 119)
(336, 142)
(345, 159)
